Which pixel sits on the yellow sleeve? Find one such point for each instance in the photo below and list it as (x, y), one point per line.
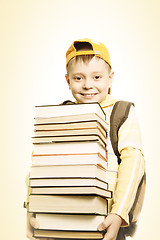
(130, 173)
(132, 166)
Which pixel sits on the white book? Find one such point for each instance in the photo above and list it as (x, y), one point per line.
(46, 111)
(75, 204)
(61, 234)
(69, 222)
(68, 182)
(74, 125)
(70, 138)
(81, 119)
(70, 159)
(70, 133)
(85, 190)
(70, 148)
(64, 171)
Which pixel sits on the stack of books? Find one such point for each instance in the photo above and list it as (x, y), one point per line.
(68, 184)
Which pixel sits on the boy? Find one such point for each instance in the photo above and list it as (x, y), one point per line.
(89, 76)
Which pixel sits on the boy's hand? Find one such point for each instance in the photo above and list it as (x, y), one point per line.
(111, 224)
(32, 223)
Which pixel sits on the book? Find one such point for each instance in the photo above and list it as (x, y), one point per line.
(64, 171)
(70, 222)
(69, 159)
(71, 138)
(79, 125)
(67, 182)
(55, 234)
(93, 146)
(85, 190)
(69, 110)
(71, 204)
(75, 119)
(71, 132)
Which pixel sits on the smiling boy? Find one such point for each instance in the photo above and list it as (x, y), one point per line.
(89, 76)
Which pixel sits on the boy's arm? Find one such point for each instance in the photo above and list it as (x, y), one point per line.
(130, 173)
(131, 168)
(28, 188)
(31, 222)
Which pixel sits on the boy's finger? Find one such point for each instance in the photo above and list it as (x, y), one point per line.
(104, 225)
(29, 235)
(34, 222)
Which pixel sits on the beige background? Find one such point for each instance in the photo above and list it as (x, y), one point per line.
(35, 35)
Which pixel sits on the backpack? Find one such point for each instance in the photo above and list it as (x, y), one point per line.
(118, 116)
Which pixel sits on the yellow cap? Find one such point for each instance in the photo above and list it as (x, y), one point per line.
(98, 49)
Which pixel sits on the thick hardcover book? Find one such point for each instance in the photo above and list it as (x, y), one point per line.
(83, 125)
(71, 132)
(71, 120)
(63, 110)
(67, 182)
(68, 234)
(70, 222)
(71, 204)
(64, 171)
(69, 138)
(94, 146)
(78, 190)
(70, 159)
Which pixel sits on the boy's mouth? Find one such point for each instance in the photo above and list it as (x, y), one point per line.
(88, 94)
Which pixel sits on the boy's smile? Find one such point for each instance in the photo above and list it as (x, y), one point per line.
(89, 82)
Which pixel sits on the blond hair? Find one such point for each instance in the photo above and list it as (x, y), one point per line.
(85, 59)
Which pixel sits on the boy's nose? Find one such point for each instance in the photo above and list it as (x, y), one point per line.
(87, 84)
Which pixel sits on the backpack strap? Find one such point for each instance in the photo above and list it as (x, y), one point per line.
(118, 116)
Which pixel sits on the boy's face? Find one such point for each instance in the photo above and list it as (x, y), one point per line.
(89, 82)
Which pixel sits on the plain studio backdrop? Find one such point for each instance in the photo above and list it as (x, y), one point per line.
(35, 35)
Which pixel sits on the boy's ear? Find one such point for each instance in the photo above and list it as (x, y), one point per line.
(111, 75)
(67, 79)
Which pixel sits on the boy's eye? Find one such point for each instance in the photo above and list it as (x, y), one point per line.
(78, 78)
(97, 77)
